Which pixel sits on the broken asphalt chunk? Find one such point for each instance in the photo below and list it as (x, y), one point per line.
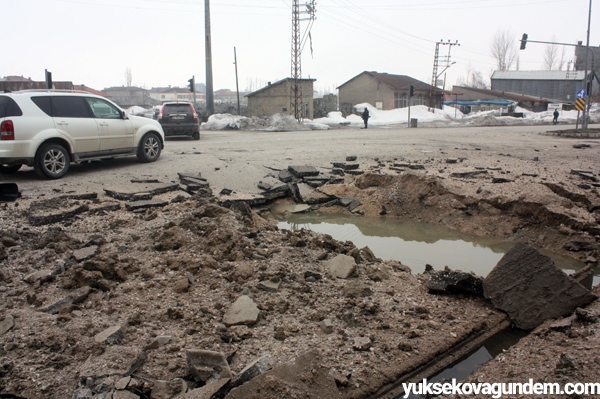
(40, 220)
(137, 205)
(469, 175)
(303, 171)
(285, 176)
(127, 192)
(453, 282)
(531, 289)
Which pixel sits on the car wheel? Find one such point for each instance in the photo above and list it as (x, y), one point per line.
(196, 135)
(149, 148)
(9, 169)
(52, 161)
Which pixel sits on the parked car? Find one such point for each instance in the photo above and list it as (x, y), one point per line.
(180, 119)
(49, 129)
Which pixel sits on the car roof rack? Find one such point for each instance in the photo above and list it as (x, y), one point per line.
(52, 91)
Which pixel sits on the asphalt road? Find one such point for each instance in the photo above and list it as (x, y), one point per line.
(238, 160)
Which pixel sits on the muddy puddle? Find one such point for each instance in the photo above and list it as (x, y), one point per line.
(412, 243)
(469, 363)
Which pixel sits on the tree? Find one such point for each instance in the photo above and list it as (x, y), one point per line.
(128, 77)
(474, 79)
(504, 50)
(551, 61)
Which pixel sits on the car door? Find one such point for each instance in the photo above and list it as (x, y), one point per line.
(116, 133)
(72, 118)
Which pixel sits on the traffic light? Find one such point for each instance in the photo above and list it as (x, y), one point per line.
(523, 41)
(411, 90)
(48, 79)
(192, 84)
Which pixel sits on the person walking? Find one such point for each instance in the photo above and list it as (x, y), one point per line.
(555, 120)
(365, 117)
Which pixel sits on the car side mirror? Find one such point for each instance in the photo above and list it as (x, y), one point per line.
(124, 115)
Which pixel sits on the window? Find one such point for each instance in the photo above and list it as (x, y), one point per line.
(400, 100)
(8, 107)
(44, 104)
(103, 109)
(69, 107)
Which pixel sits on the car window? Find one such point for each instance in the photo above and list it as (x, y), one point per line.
(43, 103)
(8, 107)
(176, 108)
(103, 109)
(70, 107)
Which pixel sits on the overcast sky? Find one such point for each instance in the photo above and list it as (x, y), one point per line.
(162, 41)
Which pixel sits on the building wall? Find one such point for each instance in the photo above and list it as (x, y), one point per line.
(275, 99)
(129, 96)
(365, 89)
(563, 90)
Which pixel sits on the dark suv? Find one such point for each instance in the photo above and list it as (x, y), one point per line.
(179, 119)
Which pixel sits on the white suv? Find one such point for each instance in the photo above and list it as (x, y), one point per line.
(50, 129)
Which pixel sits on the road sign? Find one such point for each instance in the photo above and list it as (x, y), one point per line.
(580, 104)
(581, 93)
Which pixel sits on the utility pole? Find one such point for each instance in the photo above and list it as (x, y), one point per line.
(297, 45)
(586, 110)
(445, 63)
(237, 87)
(210, 101)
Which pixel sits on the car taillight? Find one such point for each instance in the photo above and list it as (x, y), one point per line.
(195, 114)
(7, 130)
(161, 112)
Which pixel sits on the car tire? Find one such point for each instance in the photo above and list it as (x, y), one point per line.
(196, 135)
(149, 148)
(9, 169)
(52, 161)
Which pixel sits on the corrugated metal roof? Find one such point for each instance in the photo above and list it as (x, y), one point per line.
(539, 75)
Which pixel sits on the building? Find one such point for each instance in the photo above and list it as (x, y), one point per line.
(560, 86)
(275, 99)
(174, 94)
(323, 106)
(127, 97)
(593, 56)
(17, 83)
(471, 99)
(386, 91)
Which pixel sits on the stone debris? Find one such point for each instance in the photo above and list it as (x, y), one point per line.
(207, 366)
(531, 289)
(341, 266)
(304, 375)
(6, 324)
(85, 253)
(110, 336)
(243, 311)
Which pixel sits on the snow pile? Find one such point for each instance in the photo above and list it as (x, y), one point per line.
(140, 111)
(275, 123)
(392, 117)
(136, 110)
(448, 116)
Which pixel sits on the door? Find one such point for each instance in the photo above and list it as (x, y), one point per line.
(73, 119)
(116, 133)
